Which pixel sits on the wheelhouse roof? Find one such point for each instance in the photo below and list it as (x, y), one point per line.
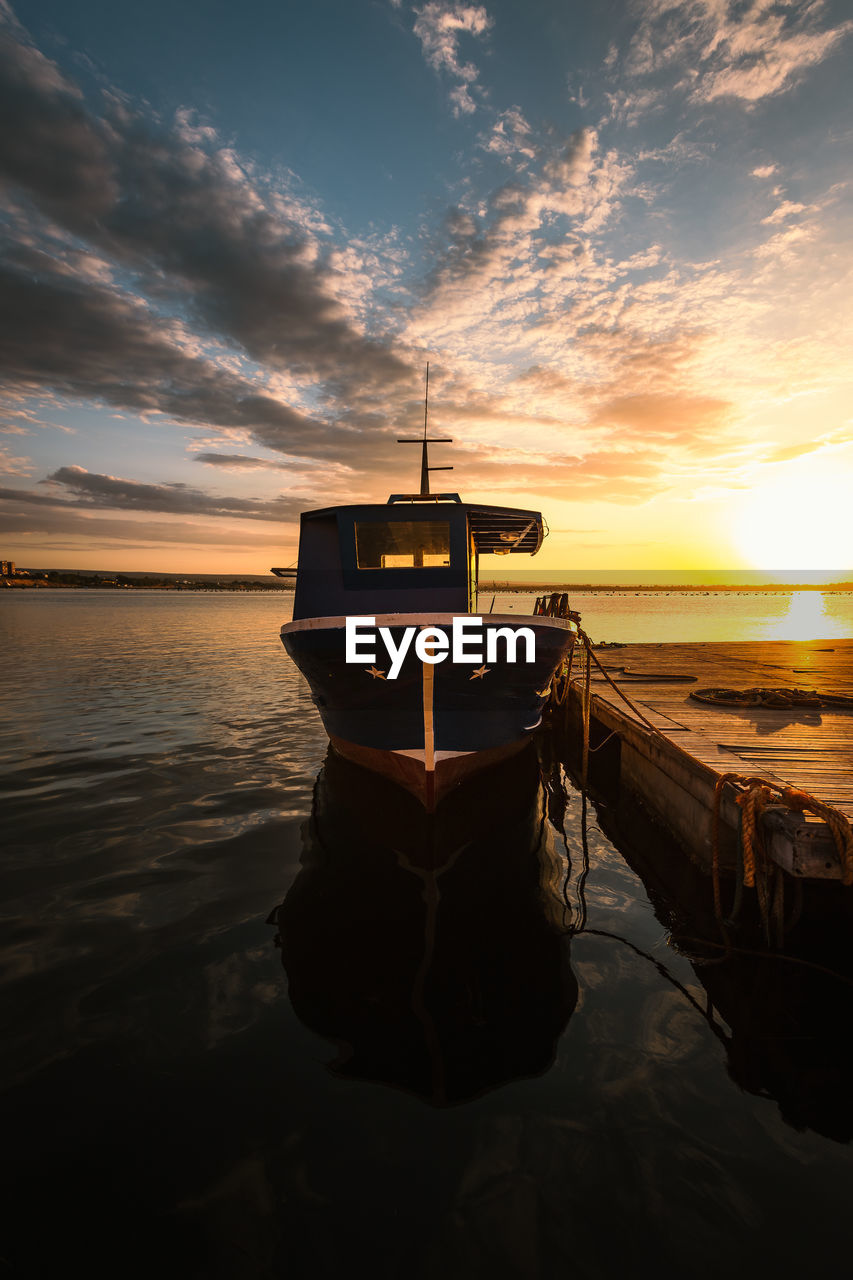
(495, 530)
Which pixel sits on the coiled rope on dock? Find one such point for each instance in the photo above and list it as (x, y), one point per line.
(771, 699)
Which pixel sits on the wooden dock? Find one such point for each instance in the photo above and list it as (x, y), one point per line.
(675, 770)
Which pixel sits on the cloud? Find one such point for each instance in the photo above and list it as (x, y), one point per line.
(510, 138)
(499, 269)
(785, 243)
(440, 26)
(83, 490)
(746, 52)
(785, 210)
(93, 343)
(319, 475)
(157, 272)
(240, 462)
(683, 419)
(788, 452)
(572, 164)
(631, 106)
(50, 143)
(762, 55)
(842, 438)
(53, 528)
(10, 465)
(111, 191)
(16, 421)
(619, 475)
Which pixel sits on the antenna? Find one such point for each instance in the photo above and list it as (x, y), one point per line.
(427, 440)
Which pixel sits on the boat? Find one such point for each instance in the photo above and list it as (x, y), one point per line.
(410, 677)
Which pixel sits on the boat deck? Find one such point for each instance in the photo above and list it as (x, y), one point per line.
(808, 748)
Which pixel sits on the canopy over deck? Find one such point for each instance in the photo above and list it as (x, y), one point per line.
(494, 530)
(498, 530)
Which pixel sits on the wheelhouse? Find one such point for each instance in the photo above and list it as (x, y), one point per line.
(414, 554)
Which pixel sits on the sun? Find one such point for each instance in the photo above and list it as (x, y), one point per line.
(799, 519)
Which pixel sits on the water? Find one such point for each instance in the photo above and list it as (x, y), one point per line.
(250, 1032)
(661, 617)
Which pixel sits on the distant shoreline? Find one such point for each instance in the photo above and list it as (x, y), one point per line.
(39, 584)
(577, 588)
(68, 580)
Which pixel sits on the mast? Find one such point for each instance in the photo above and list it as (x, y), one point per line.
(424, 441)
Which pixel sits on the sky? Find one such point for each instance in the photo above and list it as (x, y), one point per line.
(234, 234)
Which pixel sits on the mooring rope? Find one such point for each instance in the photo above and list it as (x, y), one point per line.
(636, 710)
(758, 871)
(560, 686)
(756, 795)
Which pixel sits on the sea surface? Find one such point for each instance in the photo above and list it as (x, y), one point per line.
(263, 1018)
(670, 617)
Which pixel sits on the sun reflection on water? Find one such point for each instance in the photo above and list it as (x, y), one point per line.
(809, 616)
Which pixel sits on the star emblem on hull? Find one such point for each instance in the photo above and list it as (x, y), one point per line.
(376, 673)
(480, 672)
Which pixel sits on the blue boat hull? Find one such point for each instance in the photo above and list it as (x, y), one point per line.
(444, 719)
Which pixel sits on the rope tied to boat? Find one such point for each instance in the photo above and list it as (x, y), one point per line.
(561, 680)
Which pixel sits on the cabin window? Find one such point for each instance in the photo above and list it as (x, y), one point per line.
(402, 544)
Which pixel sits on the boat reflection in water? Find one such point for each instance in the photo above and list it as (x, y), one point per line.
(430, 947)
